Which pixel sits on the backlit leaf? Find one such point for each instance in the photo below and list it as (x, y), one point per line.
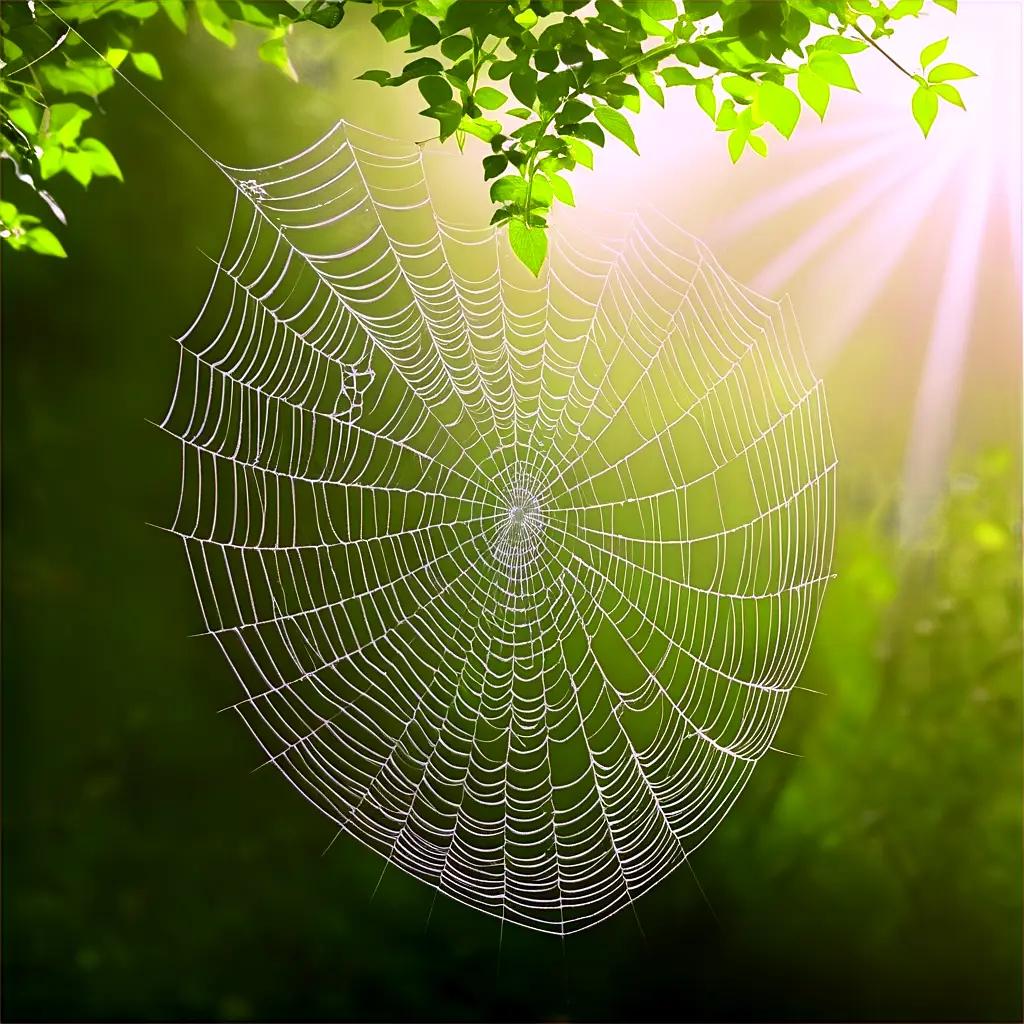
(948, 93)
(44, 242)
(616, 124)
(933, 51)
(101, 160)
(925, 105)
(814, 89)
(581, 152)
(215, 21)
(777, 105)
(488, 98)
(530, 244)
(833, 68)
(705, 93)
(147, 64)
(949, 73)
(561, 189)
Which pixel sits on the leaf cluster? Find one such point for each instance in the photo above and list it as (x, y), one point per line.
(543, 84)
(51, 81)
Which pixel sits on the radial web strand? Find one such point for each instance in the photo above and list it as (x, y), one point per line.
(517, 576)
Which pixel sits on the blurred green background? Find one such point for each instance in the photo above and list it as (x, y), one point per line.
(151, 873)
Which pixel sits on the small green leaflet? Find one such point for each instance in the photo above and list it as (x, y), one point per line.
(488, 98)
(616, 124)
(925, 105)
(777, 105)
(529, 244)
(814, 89)
(933, 51)
(833, 68)
(949, 73)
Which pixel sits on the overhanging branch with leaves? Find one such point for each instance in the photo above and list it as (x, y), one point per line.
(544, 83)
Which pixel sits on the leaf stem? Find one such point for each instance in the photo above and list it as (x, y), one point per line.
(892, 60)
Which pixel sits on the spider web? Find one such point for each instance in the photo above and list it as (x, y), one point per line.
(517, 576)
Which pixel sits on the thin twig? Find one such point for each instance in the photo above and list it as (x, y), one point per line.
(891, 60)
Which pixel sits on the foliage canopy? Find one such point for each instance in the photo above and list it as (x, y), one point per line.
(542, 82)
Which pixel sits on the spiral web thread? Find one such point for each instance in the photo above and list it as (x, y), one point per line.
(517, 576)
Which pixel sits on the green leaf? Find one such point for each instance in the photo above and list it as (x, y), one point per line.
(925, 105)
(530, 244)
(510, 189)
(25, 118)
(949, 94)
(448, 115)
(949, 73)
(147, 64)
(833, 68)
(102, 160)
(79, 76)
(757, 144)
(737, 142)
(561, 189)
(678, 76)
(488, 98)
(79, 166)
(66, 120)
(949, 5)
(541, 193)
(390, 24)
(327, 13)
(546, 60)
(840, 44)
(215, 21)
(933, 51)
(587, 130)
(650, 86)
(435, 90)
(705, 93)
(51, 162)
(494, 165)
(616, 124)
(175, 10)
(659, 10)
(274, 51)
(553, 89)
(777, 105)
(814, 89)
(527, 19)
(376, 75)
(455, 46)
(726, 119)
(581, 152)
(418, 68)
(258, 12)
(906, 8)
(10, 49)
(740, 88)
(423, 32)
(498, 69)
(653, 27)
(140, 9)
(524, 87)
(481, 127)
(43, 242)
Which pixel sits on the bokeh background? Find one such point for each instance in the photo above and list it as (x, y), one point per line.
(152, 872)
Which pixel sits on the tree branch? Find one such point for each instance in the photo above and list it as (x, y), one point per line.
(892, 60)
